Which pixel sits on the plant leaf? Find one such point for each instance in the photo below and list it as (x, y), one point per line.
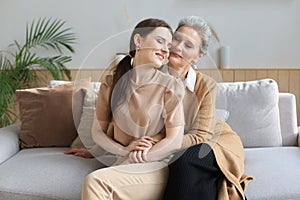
(50, 34)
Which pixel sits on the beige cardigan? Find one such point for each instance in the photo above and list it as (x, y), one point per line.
(202, 126)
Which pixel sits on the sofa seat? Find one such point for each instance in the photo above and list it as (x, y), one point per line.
(64, 174)
(276, 172)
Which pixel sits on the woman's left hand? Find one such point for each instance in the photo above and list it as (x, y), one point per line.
(139, 156)
(81, 152)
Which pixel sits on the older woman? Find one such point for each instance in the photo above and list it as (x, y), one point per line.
(212, 166)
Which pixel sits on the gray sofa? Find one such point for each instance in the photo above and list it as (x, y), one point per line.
(264, 118)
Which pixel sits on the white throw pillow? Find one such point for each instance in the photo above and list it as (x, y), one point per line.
(253, 111)
(54, 83)
(84, 138)
(87, 117)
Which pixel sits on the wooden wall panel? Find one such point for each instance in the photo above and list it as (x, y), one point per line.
(227, 75)
(294, 87)
(94, 74)
(283, 80)
(205, 71)
(239, 75)
(273, 74)
(288, 79)
(250, 75)
(261, 74)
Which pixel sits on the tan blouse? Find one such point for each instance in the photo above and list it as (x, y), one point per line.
(153, 100)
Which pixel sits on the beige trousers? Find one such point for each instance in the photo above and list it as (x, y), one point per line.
(143, 181)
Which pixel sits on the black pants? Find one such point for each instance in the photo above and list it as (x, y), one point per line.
(194, 174)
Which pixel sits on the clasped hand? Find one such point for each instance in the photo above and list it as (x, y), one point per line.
(139, 149)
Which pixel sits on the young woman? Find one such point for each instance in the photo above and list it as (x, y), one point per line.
(211, 163)
(139, 100)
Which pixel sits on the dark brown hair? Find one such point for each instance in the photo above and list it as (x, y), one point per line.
(123, 68)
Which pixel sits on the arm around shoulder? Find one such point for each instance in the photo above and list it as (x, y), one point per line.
(201, 126)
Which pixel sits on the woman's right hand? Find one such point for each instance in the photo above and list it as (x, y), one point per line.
(81, 152)
(140, 144)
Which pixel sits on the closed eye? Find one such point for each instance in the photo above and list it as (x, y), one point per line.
(176, 39)
(188, 46)
(160, 41)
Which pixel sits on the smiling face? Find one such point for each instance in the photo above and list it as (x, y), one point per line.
(154, 48)
(185, 49)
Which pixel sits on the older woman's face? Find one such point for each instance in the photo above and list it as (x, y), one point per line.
(185, 47)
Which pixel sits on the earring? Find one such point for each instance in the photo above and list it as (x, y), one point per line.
(194, 66)
(138, 48)
(131, 61)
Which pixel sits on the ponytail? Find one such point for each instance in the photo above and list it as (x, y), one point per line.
(121, 78)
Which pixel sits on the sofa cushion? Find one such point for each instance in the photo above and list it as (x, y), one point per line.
(77, 97)
(45, 173)
(253, 111)
(275, 171)
(47, 116)
(86, 121)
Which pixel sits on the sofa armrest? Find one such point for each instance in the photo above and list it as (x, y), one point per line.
(299, 136)
(288, 119)
(9, 141)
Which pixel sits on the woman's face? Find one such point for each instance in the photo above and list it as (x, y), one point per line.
(154, 48)
(185, 48)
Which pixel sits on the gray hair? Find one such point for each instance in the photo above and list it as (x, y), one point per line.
(201, 26)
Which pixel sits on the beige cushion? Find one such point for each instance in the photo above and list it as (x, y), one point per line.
(77, 97)
(46, 114)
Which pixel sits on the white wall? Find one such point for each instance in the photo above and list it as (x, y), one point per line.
(261, 34)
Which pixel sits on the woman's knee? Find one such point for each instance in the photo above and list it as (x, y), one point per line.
(90, 182)
(94, 180)
(95, 187)
(90, 178)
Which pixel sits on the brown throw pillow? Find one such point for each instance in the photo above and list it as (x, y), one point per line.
(46, 114)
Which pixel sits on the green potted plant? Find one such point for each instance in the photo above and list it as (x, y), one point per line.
(20, 64)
